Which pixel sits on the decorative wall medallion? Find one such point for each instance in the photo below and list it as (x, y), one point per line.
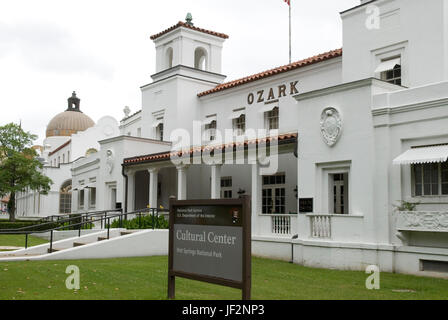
(110, 160)
(108, 130)
(331, 126)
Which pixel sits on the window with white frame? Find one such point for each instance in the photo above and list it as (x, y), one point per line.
(139, 132)
(159, 131)
(65, 197)
(210, 129)
(226, 187)
(430, 179)
(339, 193)
(157, 125)
(390, 70)
(239, 125)
(274, 194)
(272, 119)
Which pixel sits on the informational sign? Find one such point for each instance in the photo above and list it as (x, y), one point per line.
(306, 205)
(210, 240)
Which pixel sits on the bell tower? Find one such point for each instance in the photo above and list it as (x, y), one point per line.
(74, 103)
(186, 45)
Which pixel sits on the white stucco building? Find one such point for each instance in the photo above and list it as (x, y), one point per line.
(359, 130)
(70, 135)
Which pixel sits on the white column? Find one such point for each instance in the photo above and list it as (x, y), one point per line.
(182, 182)
(153, 182)
(256, 195)
(75, 201)
(131, 191)
(216, 181)
(86, 199)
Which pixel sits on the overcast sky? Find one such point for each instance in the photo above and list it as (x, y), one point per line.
(101, 48)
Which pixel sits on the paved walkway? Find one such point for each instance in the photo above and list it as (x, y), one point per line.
(10, 248)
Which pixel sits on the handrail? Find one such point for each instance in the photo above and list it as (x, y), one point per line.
(78, 216)
(82, 213)
(83, 222)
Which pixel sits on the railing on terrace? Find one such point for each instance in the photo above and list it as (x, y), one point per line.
(320, 225)
(280, 224)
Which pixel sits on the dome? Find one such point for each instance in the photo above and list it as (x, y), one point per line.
(70, 121)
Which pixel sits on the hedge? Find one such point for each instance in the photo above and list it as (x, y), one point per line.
(15, 225)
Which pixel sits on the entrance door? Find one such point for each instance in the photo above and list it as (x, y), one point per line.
(340, 193)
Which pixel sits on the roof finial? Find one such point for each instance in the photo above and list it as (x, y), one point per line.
(127, 111)
(73, 103)
(189, 19)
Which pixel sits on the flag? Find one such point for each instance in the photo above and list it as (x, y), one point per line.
(288, 2)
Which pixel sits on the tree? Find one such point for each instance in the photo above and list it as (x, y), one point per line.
(20, 169)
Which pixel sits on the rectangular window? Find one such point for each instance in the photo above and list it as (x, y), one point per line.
(393, 73)
(226, 187)
(272, 119)
(444, 170)
(274, 194)
(239, 125)
(139, 132)
(65, 199)
(160, 132)
(430, 179)
(210, 130)
(226, 182)
(92, 197)
(339, 195)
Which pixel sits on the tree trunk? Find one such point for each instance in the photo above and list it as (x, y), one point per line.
(12, 207)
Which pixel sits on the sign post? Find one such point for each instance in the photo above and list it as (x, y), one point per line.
(210, 241)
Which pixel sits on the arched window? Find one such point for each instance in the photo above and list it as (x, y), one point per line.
(91, 151)
(65, 197)
(169, 58)
(200, 59)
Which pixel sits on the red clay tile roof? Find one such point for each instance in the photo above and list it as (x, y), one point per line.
(164, 156)
(60, 147)
(295, 65)
(185, 25)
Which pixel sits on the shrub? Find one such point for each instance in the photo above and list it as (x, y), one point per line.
(406, 206)
(42, 225)
(143, 222)
(6, 225)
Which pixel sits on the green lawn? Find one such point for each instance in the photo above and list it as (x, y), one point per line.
(13, 240)
(146, 278)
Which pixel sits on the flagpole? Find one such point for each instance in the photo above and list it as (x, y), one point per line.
(290, 31)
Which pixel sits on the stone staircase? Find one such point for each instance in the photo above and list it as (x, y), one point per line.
(100, 238)
(121, 243)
